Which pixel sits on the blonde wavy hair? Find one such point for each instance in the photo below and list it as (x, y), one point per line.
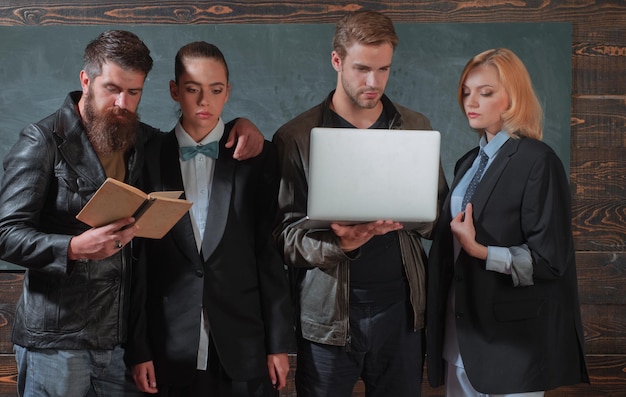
(524, 117)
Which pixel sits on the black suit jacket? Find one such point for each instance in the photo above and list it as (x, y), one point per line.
(238, 277)
(512, 339)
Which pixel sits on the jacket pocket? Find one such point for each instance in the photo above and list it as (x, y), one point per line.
(57, 304)
(72, 191)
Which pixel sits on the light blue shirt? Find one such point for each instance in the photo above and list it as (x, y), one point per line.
(491, 150)
(498, 258)
(515, 261)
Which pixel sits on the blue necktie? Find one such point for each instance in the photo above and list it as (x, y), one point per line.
(471, 188)
(210, 150)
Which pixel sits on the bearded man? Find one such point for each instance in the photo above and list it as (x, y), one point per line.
(71, 320)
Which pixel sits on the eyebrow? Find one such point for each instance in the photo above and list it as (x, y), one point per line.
(361, 65)
(110, 84)
(218, 83)
(480, 86)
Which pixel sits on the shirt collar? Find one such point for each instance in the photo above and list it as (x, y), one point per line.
(393, 117)
(184, 139)
(491, 148)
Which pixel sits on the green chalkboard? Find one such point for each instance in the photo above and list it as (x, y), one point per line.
(280, 70)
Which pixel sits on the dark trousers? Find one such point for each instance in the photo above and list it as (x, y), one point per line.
(385, 352)
(214, 382)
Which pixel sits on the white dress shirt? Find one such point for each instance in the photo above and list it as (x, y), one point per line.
(197, 174)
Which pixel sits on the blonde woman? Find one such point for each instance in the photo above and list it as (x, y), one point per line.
(503, 311)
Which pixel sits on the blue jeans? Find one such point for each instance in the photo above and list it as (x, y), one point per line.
(384, 352)
(72, 373)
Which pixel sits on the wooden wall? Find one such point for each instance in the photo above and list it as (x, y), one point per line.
(598, 134)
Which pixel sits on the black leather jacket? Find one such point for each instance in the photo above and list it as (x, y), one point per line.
(49, 175)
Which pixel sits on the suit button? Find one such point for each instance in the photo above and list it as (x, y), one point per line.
(199, 273)
(458, 278)
(459, 314)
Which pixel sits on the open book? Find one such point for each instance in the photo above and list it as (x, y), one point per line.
(155, 213)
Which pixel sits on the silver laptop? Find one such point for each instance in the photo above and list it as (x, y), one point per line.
(363, 175)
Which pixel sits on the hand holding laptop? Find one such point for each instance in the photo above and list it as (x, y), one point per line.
(352, 237)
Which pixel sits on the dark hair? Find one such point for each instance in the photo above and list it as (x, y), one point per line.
(363, 27)
(121, 47)
(197, 49)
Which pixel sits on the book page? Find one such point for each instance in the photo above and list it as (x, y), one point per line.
(161, 216)
(174, 194)
(155, 214)
(114, 200)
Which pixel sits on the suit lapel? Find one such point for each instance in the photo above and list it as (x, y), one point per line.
(463, 166)
(171, 179)
(492, 175)
(219, 203)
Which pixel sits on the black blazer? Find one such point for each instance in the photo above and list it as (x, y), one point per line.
(239, 276)
(512, 339)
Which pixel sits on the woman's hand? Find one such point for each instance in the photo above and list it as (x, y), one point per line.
(462, 227)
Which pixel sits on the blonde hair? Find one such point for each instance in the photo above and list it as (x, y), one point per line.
(524, 117)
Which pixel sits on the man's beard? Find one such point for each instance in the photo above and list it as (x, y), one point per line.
(355, 93)
(112, 130)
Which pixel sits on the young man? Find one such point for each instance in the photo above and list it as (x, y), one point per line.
(360, 288)
(71, 319)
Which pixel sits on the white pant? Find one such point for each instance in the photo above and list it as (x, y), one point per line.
(458, 385)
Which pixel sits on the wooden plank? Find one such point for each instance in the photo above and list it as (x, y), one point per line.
(598, 224)
(16, 12)
(598, 63)
(598, 123)
(601, 278)
(8, 376)
(598, 185)
(10, 290)
(605, 329)
(43, 12)
(598, 173)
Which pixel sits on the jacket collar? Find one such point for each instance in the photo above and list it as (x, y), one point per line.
(77, 151)
(491, 176)
(73, 144)
(388, 107)
(221, 192)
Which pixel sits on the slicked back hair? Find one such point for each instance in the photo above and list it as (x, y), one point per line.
(195, 50)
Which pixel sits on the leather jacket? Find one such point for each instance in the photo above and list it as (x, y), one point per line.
(318, 267)
(49, 175)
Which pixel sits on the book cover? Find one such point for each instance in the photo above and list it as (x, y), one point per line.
(155, 213)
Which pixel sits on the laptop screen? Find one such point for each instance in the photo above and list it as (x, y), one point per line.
(363, 175)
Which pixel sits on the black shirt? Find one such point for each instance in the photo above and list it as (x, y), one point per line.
(377, 275)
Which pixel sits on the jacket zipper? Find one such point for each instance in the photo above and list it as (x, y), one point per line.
(346, 293)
